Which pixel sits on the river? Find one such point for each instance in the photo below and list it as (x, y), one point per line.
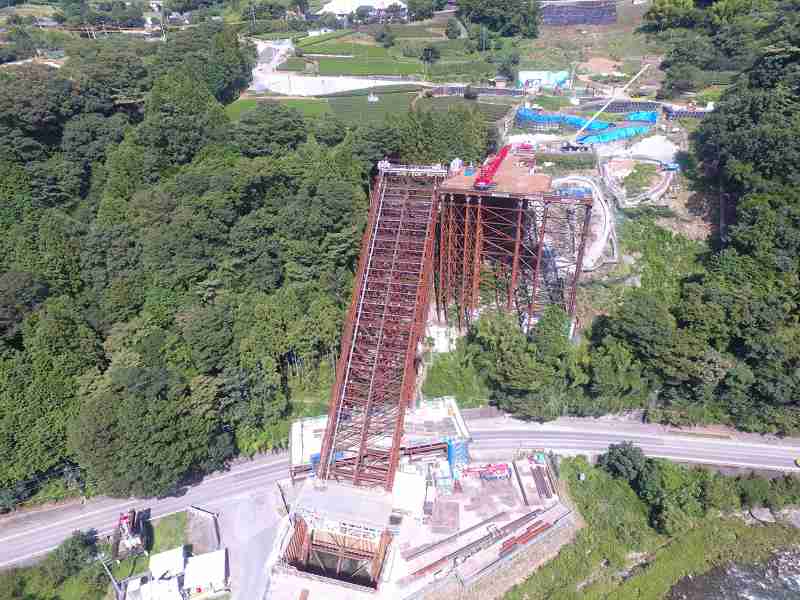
(776, 579)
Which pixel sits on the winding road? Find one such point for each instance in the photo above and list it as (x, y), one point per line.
(25, 536)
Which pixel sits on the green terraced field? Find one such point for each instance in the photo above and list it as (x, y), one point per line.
(319, 39)
(415, 30)
(356, 109)
(491, 112)
(364, 66)
(357, 50)
(471, 69)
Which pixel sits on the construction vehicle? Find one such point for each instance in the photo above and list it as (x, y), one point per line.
(574, 147)
(485, 178)
(128, 538)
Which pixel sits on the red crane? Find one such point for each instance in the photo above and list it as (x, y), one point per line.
(486, 175)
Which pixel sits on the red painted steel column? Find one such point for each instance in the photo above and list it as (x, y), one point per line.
(476, 261)
(579, 262)
(515, 261)
(537, 267)
(464, 264)
(451, 296)
(441, 302)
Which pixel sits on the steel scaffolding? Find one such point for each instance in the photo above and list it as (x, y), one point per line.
(376, 372)
(522, 251)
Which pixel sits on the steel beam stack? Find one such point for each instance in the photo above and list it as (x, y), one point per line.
(376, 371)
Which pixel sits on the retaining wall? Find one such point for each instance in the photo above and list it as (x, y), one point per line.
(591, 12)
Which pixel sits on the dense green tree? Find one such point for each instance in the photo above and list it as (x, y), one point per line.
(419, 10)
(625, 461)
(452, 29)
(20, 294)
(41, 112)
(141, 430)
(270, 128)
(506, 17)
(70, 557)
(38, 388)
(181, 116)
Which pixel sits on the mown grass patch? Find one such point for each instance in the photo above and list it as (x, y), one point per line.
(364, 66)
(357, 109)
(169, 532)
(236, 109)
(552, 102)
(310, 107)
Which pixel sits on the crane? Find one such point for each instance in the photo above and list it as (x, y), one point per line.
(570, 144)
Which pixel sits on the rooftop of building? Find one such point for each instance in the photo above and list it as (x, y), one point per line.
(516, 175)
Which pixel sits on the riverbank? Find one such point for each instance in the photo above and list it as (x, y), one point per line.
(620, 555)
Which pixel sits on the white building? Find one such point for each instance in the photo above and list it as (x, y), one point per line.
(206, 574)
(342, 8)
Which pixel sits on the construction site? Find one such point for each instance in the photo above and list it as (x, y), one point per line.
(383, 498)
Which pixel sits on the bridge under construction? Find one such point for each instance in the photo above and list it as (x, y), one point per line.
(441, 244)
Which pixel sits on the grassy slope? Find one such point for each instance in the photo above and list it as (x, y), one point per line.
(292, 64)
(492, 112)
(617, 525)
(356, 109)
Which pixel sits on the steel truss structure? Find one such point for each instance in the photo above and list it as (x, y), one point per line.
(522, 251)
(375, 376)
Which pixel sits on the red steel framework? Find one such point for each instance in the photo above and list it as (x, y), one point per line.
(524, 251)
(519, 252)
(376, 373)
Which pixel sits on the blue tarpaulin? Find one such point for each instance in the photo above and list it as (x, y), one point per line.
(620, 133)
(647, 116)
(527, 114)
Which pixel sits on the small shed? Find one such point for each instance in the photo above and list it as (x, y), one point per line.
(206, 574)
(501, 81)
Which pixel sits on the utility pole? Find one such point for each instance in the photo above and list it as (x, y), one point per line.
(253, 17)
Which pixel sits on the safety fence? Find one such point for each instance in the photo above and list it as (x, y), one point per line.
(460, 90)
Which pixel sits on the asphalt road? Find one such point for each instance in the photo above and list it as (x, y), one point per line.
(24, 537)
